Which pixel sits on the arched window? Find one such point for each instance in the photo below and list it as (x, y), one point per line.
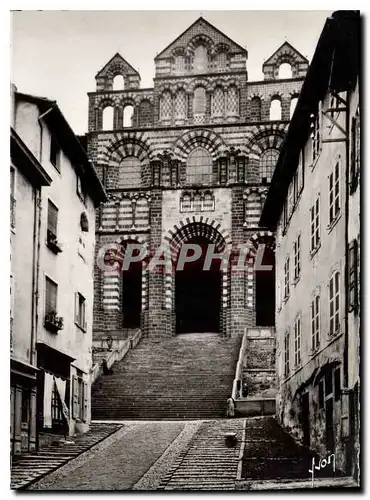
(142, 213)
(256, 109)
(267, 164)
(233, 101)
(218, 102)
(108, 118)
(293, 104)
(199, 167)
(208, 202)
(128, 115)
(275, 109)
(118, 82)
(179, 64)
(285, 70)
(221, 61)
(199, 107)
(130, 172)
(165, 106)
(200, 59)
(186, 203)
(197, 202)
(180, 105)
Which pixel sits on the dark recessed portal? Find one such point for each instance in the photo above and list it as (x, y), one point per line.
(131, 295)
(265, 291)
(198, 295)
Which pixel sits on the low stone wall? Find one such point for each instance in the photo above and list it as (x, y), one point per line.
(119, 349)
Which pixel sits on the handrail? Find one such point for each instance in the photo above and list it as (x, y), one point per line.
(239, 368)
(115, 355)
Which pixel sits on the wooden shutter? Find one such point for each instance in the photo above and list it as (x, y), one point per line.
(75, 397)
(85, 401)
(52, 218)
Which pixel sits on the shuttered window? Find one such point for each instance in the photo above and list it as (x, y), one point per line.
(353, 275)
(80, 392)
(80, 310)
(51, 294)
(52, 218)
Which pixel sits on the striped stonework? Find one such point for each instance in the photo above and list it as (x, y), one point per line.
(111, 291)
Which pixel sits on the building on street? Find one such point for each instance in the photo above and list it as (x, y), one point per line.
(54, 193)
(188, 161)
(313, 205)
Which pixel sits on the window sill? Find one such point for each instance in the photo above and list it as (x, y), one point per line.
(296, 280)
(315, 250)
(82, 328)
(333, 335)
(313, 352)
(333, 223)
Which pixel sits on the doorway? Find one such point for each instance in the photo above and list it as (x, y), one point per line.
(131, 295)
(265, 290)
(198, 294)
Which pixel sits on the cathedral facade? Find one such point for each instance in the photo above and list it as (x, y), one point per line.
(189, 161)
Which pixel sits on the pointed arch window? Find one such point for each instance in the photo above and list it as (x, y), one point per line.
(130, 172)
(199, 167)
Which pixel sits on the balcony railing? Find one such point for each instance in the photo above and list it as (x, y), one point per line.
(12, 212)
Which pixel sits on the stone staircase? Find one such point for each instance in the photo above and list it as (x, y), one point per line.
(207, 464)
(30, 467)
(189, 376)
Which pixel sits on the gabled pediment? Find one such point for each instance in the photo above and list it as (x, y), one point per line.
(286, 50)
(201, 30)
(117, 62)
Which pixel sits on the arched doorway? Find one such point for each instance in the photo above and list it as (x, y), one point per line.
(132, 290)
(265, 287)
(198, 293)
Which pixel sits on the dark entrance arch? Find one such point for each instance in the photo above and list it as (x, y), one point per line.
(131, 292)
(265, 290)
(198, 294)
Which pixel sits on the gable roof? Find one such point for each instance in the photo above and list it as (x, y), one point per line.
(117, 57)
(280, 49)
(67, 139)
(209, 25)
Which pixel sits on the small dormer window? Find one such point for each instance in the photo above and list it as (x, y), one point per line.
(84, 223)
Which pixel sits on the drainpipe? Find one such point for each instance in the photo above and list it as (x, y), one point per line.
(347, 163)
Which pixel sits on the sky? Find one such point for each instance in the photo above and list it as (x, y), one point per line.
(56, 54)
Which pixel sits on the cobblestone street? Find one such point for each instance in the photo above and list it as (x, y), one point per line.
(192, 455)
